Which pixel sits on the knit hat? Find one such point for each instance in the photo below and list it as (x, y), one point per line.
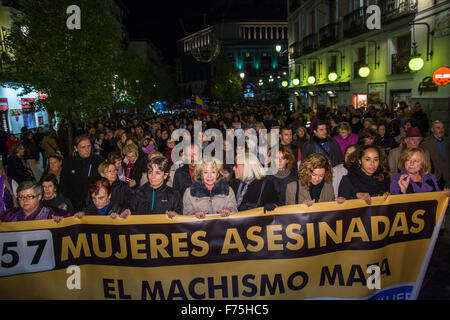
(413, 132)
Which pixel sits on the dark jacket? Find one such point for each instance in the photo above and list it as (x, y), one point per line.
(17, 171)
(31, 149)
(76, 175)
(182, 179)
(147, 200)
(122, 192)
(334, 153)
(114, 207)
(140, 166)
(280, 186)
(357, 181)
(269, 195)
(60, 202)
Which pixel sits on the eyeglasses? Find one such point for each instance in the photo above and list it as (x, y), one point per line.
(29, 197)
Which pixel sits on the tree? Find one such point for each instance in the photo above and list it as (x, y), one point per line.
(74, 67)
(226, 85)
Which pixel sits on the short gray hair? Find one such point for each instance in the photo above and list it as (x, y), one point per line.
(28, 185)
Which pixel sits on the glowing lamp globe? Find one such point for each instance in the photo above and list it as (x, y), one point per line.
(415, 64)
(364, 72)
(332, 76)
(311, 79)
(284, 84)
(295, 82)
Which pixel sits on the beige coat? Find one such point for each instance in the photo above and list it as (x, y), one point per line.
(192, 204)
(327, 193)
(49, 145)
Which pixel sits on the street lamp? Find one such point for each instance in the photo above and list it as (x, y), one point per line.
(284, 83)
(296, 82)
(311, 79)
(278, 48)
(332, 76)
(416, 62)
(364, 71)
(242, 75)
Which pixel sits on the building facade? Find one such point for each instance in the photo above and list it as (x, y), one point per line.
(338, 36)
(251, 46)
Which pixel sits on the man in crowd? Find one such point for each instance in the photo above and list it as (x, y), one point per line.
(413, 138)
(438, 146)
(321, 143)
(286, 140)
(78, 171)
(421, 118)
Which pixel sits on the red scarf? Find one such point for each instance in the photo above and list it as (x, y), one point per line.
(130, 166)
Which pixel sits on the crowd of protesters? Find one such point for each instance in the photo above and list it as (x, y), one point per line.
(124, 165)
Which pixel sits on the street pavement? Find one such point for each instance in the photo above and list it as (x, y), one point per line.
(436, 285)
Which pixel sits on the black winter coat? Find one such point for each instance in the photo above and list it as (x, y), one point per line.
(76, 175)
(17, 171)
(250, 199)
(357, 181)
(335, 153)
(182, 179)
(147, 200)
(114, 207)
(280, 186)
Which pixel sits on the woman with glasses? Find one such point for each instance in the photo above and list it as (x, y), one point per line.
(29, 195)
(120, 190)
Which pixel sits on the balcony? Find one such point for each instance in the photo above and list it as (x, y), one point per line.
(400, 63)
(393, 10)
(328, 34)
(355, 22)
(310, 43)
(295, 50)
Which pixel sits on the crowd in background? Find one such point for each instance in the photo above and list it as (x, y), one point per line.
(123, 165)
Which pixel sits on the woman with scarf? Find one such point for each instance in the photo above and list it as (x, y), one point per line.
(285, 173)
(133, 165)
(415, 176)
(31, 207)
(315, 182)
(210, 193)
(251, 186)
(368, 175)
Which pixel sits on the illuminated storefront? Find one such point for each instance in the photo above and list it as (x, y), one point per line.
(18, 111)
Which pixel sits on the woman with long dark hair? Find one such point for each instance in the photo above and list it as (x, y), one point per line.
(368, 175)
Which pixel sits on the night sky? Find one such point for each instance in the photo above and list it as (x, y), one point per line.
(164, 22)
